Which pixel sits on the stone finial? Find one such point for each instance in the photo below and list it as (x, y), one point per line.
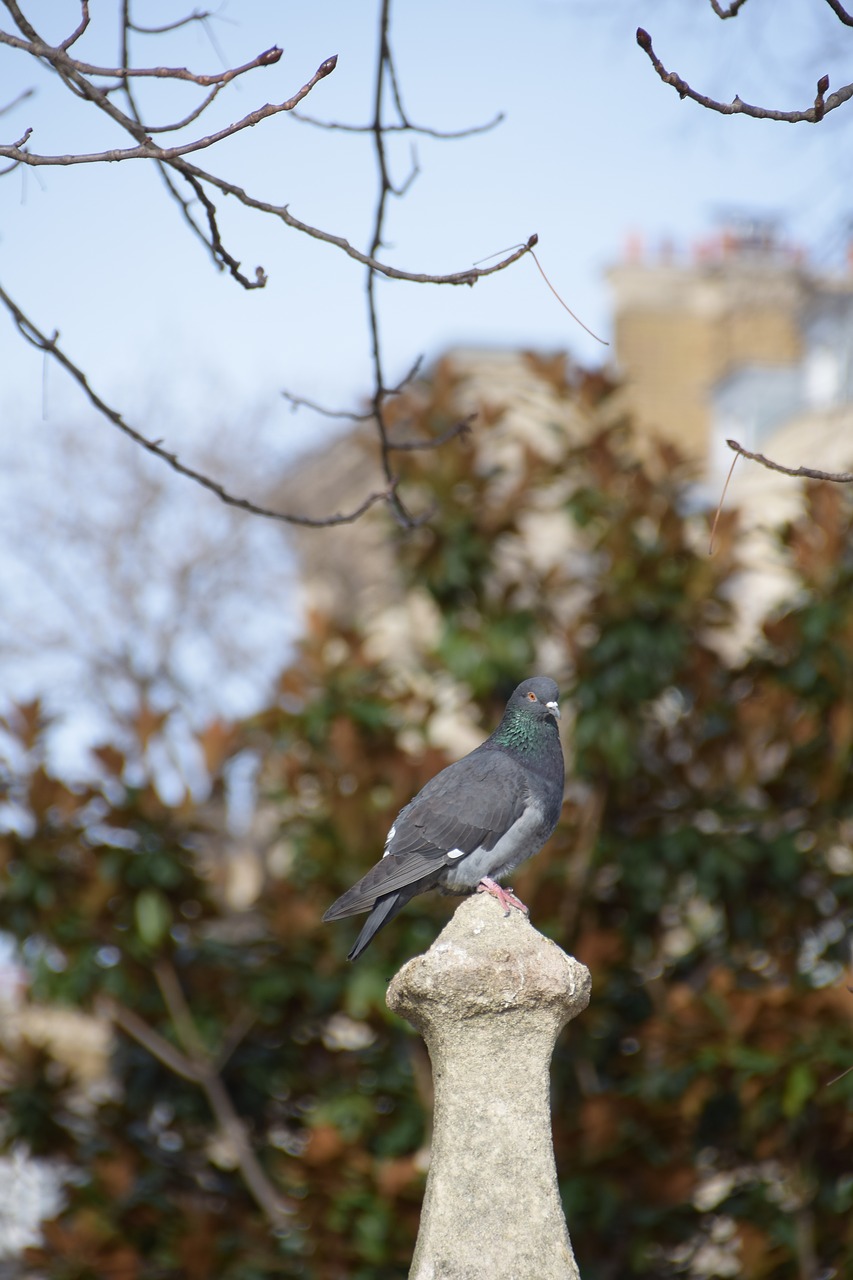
(490, 997)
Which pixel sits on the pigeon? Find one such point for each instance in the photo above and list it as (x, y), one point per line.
(474, 822)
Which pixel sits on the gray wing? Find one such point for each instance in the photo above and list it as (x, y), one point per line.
(467, 806)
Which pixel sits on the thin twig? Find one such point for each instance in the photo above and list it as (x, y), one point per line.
(403, 127)
(810, 473)
(407, 377)
(16, 101)
(198, 15)
(301, 402)
(179, 1011)
(214, 244)
(347, 415)
(731, 11)
(79, 29)
(458, 429)
(812, 115)
(237, 1032)
(220, 254)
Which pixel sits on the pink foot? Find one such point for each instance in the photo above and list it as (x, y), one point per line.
(505, 897)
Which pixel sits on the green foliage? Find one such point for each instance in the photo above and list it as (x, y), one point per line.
(702, 871)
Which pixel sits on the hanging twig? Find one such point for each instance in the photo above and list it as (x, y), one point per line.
(720, 506)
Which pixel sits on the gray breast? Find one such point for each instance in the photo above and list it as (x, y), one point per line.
(523, 839)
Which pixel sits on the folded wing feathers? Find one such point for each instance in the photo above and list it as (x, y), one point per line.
(453, 811)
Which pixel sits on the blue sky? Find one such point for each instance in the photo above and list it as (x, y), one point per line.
(593, 148)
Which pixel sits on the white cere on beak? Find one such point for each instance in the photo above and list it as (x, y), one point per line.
(456, 853)
(554, 707)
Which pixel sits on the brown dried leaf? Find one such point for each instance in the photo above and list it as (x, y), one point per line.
(111, 758)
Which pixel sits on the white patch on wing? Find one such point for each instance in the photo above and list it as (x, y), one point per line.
(456, 853)
(390, 836)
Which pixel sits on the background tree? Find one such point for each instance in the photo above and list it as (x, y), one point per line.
(267, 1114)
(153, 613)
(262, 1115)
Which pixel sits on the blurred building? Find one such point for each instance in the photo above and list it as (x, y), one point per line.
(739, 337)
(733, 339)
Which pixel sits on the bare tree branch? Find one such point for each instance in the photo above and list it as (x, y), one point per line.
(158, 1046)
(470, 276)
(68, 69)
(149, 149)
(837, 477)
(263, 1191)
(840, 12)
(80, 28)
(175, 167)
(383, 67)
(173, 156)
(213, 245)
(50, 346)
(196, 1065)
(380, 128)
(38, 48)
(812, 115)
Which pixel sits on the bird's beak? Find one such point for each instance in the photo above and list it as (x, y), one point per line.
(554, 708)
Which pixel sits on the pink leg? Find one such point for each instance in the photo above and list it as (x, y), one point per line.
(505, 897)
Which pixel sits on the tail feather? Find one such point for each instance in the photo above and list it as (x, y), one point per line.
(382, 906)
(354, 902)
(385, 908)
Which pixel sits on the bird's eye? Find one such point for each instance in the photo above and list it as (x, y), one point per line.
(532, 697)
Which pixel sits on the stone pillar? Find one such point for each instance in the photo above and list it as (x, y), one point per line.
(490, 997)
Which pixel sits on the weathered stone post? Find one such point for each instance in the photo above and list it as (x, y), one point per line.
(490, 997)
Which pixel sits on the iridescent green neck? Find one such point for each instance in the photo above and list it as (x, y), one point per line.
(519, 731)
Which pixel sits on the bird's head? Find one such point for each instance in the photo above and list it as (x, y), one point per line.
(538, 697)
